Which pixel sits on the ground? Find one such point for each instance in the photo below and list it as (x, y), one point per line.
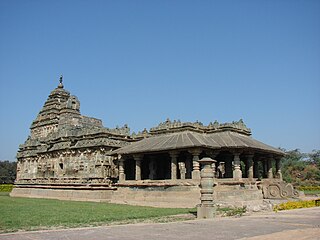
(292, 224)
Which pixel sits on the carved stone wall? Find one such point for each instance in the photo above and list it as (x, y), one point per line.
(276, 189)
(66, 147)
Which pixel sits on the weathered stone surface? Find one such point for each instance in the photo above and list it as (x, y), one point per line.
(206, 208)
(96, 195)
(276, 189)
(174, 196)
(67, 147)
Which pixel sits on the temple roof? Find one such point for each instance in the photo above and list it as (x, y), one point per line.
(190, 139)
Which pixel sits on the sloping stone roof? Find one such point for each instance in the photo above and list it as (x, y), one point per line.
(190, 139)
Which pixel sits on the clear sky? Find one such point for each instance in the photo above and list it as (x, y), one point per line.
(139, 62)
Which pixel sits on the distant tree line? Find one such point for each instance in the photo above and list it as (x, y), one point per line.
(7, 172)
(301, 169)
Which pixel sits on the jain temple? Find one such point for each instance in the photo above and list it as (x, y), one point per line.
(71, 156)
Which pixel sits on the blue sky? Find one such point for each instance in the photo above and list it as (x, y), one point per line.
(139, 62)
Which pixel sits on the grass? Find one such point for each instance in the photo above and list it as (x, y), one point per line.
(34, 214)
(311, 192)
(238, 212)
(6, 187)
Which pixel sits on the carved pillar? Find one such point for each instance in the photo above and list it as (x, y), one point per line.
(196, 166)
(182, 169)
(213, 155)
(265, 167)
(18, 170)
(269, 167)
(206, 208)
(122, 176)
(278, 169)
(250, 166)
(32, 168)
(256, 168)
(138, 159)
(228, 166)
(152, 168)
(188, 166)
(174, 157)
(237, 173)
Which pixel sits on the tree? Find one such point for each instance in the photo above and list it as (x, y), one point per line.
(314, 157)
(7, 171)
(301, 168)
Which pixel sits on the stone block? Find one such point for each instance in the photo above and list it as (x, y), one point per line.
(205, 212)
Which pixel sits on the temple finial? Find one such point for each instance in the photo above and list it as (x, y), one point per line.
(60, 80)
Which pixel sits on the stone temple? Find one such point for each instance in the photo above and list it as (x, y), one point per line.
(71, 156)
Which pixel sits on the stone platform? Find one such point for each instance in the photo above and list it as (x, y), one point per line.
(155, 193)
(75, 193)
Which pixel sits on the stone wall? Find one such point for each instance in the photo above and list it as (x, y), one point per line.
(64, 194)
(172, 197)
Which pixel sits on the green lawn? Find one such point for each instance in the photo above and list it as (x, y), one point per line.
(31, 214)
(311, 192)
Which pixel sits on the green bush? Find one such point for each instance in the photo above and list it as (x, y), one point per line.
(6, 187)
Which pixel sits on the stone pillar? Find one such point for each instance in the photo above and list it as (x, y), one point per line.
(269, 167)
(265, 167)
(256, 168)
(237, 173)
(213, 155)
(196, 166)
(182, 169)
(138, 159)
(206, 208)
(152, 168)
(31, 167)
(228, 166)
(122, 176)
(213, 166)
(278, 169)
(250, 166)
(174, 158)
(189, 167)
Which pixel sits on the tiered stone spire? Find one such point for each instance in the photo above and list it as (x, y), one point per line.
(48, 118)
